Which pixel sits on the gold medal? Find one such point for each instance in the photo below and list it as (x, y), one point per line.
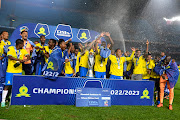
(101, 65)
(118, 67)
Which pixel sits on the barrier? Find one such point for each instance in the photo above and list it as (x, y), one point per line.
(36, 90)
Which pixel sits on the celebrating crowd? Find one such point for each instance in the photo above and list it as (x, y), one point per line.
(95, 59)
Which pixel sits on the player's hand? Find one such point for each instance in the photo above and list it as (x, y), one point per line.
(108, 34)
(147, 42)
(66, 60)
(102, 34)
(70, 44)
(133, 49)
(108, 46)
(1, 58)
(36, 47)
(69, 40)
(63, 73)
(74, 74)
(21, 61)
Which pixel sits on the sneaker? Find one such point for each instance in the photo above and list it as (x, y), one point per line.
(160, 105)
(3, 104)
(170, 107)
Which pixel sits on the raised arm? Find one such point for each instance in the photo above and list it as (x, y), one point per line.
(68, 41)
(132, 54)
(147, 46)
(109, 36)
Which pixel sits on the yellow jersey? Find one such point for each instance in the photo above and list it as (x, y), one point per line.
(84, 59)
(139, 64)
(5, 42)
(98, 66)
(1, 50)
(153, 74)
(47, 49)
(146, 66)
(14, 53)
(77, 62)
(68, 69)
(117, 64)
(129, 65)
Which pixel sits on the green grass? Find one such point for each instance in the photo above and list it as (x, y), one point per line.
(58, 112)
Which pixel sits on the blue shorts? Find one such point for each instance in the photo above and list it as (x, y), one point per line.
(100, 74)
(68, 75)
(116, 77)
(83, 71)
(9, 78)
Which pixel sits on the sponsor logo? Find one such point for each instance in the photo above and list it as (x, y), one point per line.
(41, 29)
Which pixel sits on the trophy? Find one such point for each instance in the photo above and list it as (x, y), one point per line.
(91, 64)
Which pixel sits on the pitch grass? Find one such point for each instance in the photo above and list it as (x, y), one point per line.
(59, 112)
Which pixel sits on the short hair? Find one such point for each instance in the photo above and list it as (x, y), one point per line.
(138, 50)
(54, 41)
(2, 32)
(19, 41)
(42, 36)
(24, 31)
(36, 41)
(117, 49)
(60, 41)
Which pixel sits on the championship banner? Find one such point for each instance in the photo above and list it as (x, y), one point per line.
(60, 31)
(36, 90)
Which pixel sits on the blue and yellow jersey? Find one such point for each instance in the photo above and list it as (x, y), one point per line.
(1, 50)
(129, 65)
(100, 66)
(77, 62)
(116, 69)
(139, 64)
(153, 74)
(68, 69)
(146, 66)
(12, 52)
(5, 43)
(41, 46)
(84, 59)
(47, 49)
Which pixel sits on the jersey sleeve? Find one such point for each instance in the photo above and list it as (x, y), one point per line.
(10, 51)
(112, 58)
(131, 57)
(25, 52)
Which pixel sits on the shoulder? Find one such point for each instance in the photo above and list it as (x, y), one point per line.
(11, 48)
(46, 47)
(112, 56)
(31, 42)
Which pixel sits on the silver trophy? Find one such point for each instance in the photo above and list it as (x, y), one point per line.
(91, 64)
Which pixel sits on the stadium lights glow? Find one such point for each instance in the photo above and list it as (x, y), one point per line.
(173, 19)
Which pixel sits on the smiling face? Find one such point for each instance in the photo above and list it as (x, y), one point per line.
(42, 39)
(138, 53)
(5, 35)
(118, 53)
(63, 46)
(24, 35)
